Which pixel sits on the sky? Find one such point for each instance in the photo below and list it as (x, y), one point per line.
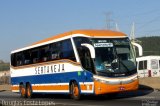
(23, 22)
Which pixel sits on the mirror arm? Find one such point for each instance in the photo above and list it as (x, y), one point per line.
(140, 49)
(91, 49)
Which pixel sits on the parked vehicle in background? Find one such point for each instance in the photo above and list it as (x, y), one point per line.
(148, 66)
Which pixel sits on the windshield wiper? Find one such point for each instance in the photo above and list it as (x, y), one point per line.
(124, 65)
(119, 60)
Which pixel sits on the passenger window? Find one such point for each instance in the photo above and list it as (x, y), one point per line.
(13, 59)
(34, 56)
(140, 65)
(44, 53)
(145, 64)
(19, 59)
(27, 57)
(67, 50)
(54, 50)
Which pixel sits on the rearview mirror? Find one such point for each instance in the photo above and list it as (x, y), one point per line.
(91, 49)
(140, 49)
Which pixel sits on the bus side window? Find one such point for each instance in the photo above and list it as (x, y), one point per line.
(19, 59)
(13, 59)
(84, 53)
(85, 58)
(54, 55)
(54, 50)
(27, 58)
(44, 53)
(34, 56)
(67, 50)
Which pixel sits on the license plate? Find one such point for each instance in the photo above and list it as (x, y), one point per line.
(121, 88)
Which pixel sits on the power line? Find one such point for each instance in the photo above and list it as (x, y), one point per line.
(147, 12)
(149, 22)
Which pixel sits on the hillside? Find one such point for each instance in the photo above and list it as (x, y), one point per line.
(151, 45)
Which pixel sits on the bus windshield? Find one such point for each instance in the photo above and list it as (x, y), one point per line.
(114, 57)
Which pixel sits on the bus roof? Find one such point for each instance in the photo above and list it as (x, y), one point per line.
(90, 33)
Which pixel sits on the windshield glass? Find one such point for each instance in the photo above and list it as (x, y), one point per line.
(115, 57)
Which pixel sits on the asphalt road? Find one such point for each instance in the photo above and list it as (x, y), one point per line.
(136, 98)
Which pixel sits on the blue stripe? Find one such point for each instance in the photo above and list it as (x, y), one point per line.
(81, 76)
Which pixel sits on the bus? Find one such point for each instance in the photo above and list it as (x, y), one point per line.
(78, 62)
(148, 66)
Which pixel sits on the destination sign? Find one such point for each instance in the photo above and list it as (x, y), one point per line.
(103, 45)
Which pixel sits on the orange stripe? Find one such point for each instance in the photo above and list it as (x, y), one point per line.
(51, 87)
(102, 88)
(92, 33)
(85, 87)
(48, 87)
(54, 87)
(14, 87)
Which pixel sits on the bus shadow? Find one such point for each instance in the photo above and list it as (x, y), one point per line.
(143, 90)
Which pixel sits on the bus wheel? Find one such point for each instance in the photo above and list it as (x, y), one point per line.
(75, 91)
(29, 91)
(22, 90)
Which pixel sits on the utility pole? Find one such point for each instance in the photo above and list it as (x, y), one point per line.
(108, 20)
(117, 28)
(132, 34)
(134, 41)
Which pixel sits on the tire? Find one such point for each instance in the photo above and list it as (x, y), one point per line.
(75, 91)
(22, 90)
(29, 93)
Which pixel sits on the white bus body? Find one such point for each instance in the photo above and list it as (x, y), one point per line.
(148, 66)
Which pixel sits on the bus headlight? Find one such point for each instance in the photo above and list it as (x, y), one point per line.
(135, 78)
(100, 80)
